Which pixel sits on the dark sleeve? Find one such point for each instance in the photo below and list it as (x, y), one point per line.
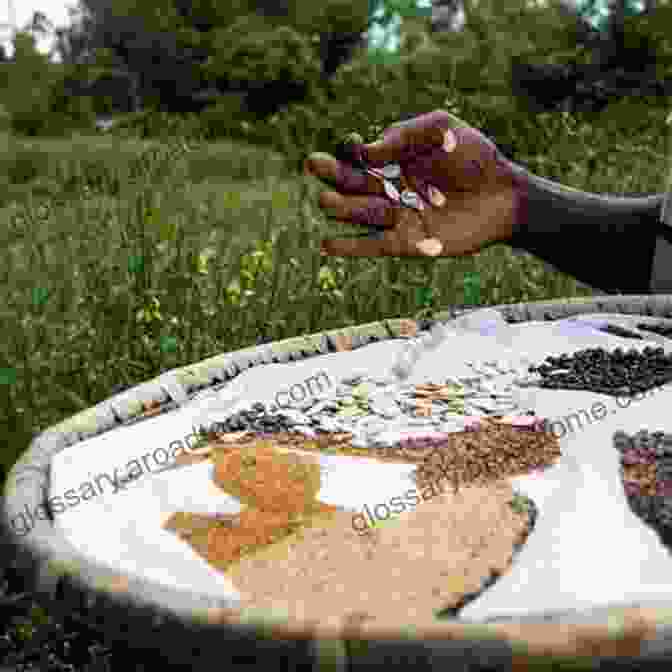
(607, 242)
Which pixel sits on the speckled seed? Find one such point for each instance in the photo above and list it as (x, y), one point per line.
(391, 171)
(391, 191)
(411, 200)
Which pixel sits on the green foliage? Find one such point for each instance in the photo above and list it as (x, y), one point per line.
(252, 53)
(650, 36)
(28, 85)
(5, 120)
(227, 118)
(36, 101)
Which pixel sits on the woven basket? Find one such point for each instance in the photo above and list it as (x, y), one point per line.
(195, 631)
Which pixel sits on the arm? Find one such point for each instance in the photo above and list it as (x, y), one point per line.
(610, 242)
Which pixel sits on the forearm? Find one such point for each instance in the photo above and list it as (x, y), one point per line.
(607, 242)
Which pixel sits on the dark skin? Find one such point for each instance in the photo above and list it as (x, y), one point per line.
(471, 200)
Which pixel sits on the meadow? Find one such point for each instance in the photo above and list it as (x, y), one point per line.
(122, 259)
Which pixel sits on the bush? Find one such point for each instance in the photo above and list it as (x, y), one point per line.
(5, 120)
(225, 119)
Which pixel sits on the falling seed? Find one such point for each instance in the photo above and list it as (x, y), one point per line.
(411, 200)
(391, 171)
(342, 342)
(436, 197)
(391, 191)
(432, 247)
(408, 328)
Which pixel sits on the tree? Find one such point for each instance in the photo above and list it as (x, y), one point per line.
(28, 82)
(618, 56)
(178, 48)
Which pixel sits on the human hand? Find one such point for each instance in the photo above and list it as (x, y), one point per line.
(468, 196)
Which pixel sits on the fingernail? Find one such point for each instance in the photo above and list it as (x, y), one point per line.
(311, 162)
(430, 247)
(449, 141)
(436, 197)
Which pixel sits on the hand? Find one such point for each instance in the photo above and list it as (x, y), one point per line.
(468, 194)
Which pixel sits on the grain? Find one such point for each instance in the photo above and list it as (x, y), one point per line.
(403, 572)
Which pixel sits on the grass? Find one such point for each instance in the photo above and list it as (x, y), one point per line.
(122, 259)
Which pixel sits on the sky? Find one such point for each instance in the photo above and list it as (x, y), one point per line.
(56, 12)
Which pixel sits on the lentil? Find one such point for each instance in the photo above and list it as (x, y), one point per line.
(278, 491)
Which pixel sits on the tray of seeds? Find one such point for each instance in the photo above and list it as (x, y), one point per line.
(383, 503)
(450, 533)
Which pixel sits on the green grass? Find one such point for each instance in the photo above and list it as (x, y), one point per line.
(113, 273)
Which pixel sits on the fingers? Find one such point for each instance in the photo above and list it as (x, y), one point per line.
(407, 239)
(340, 175)
(365, 210)
(383, 247)
(401, 142)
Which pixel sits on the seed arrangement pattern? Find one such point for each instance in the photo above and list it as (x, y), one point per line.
(617, 373)
(466, 432)
(646, 470)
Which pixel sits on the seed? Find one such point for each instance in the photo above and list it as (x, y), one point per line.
(391, 171)
(411, 200)
(391, 191)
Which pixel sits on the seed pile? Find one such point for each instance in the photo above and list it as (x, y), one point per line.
(278, 491)
(646, 471)
(618, 373)
(486, 454)
(425, 564)
(378, 410)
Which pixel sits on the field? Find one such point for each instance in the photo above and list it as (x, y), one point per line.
(123, 259)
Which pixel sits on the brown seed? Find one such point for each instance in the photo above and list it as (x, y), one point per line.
(343, 342)
(408, 328)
